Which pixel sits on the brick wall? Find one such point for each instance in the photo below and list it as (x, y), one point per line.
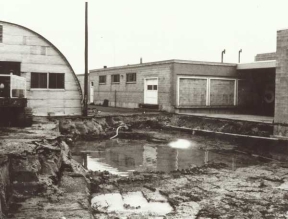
(281, 85)
(265, 56)
(132, 94)
(192, 92)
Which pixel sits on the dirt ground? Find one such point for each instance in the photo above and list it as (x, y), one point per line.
(209, 191)
(203, 192)
(41, 181)
(58, 187)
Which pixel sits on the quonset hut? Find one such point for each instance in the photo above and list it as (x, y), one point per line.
(35, 74)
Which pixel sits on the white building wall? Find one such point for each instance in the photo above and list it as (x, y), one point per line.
(22, 45)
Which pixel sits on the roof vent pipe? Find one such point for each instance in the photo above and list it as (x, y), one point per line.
(239, 55)
(105, 66)
(223, 52)
(141, 60)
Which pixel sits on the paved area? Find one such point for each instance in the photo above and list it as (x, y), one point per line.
(241, 117)
(103, 111)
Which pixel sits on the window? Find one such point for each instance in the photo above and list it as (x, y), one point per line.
(102, 79)
(56, 81)
(115, 78)
(130, 77)
(38, 80)
(152, 87)
(1, 34)
(48, 80)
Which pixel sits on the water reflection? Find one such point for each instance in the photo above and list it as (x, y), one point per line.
(123, 156)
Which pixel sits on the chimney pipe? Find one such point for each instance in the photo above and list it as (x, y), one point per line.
(223, 52)
(141, 60)
(104, 66)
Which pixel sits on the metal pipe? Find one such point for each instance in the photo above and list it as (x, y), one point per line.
(223, 52)
(239, 55)
(117, 130)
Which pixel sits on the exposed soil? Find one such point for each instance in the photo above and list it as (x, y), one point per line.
(40, 180)
(38, 177)
(204, 192)
(99, 126)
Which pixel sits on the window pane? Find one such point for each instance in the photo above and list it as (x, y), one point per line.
(38, 80)
(115, 78)
(52, 81)
(131, 77)
(56, 81)
(61, 81)
(154, 87)
(102, 79)
(149, 87)
(43, 80)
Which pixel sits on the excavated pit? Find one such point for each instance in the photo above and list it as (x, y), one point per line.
(40, 180)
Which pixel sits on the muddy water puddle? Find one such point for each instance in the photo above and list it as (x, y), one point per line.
(130, 202)
(122, 156)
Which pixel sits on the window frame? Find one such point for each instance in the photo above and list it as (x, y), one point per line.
(131, 82)
(47, 81)
(113, 77)
(103, 76)
(39, 88)
(58, 74)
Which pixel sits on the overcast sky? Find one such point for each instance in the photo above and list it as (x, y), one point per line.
(122, 31)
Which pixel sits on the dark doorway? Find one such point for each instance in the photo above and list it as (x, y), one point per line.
(261, 90)
(10, 67)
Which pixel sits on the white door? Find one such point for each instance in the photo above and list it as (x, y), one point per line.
(151, 91)
(91, 92)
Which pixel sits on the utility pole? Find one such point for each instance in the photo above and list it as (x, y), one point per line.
(85, 109)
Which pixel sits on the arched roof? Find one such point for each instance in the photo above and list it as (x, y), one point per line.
(59, 52)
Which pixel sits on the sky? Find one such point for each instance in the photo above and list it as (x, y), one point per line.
(123, 31)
